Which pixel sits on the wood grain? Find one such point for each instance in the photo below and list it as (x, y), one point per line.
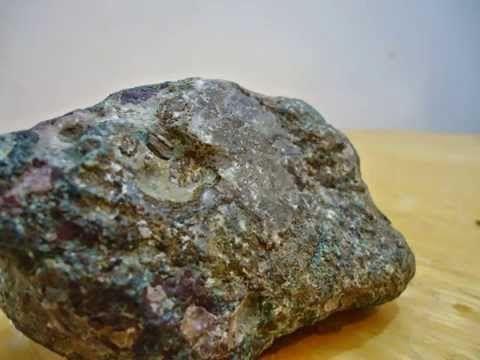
(429, 186)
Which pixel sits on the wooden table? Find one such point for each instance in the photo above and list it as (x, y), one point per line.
(429, 186)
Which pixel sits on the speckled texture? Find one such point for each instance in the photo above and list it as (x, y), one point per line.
(187, 220)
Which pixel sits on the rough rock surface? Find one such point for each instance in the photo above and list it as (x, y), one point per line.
(187, 220)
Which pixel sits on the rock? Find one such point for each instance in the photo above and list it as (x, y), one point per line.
(187, 220)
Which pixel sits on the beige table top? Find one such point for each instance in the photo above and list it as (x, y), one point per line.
(429, 186)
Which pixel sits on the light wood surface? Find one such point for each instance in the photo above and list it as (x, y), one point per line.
(429, 186)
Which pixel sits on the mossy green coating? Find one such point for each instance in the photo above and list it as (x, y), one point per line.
(187, 220)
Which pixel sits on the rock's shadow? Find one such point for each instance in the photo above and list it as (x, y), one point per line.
(337, 334)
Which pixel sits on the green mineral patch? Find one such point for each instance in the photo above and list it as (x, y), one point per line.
(6, 145)
(158, 185)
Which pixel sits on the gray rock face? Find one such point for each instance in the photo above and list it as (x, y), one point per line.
(187, 220)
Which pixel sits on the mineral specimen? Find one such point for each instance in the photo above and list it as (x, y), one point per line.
(187, 220)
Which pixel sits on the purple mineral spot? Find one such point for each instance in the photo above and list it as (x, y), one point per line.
(138, 94)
